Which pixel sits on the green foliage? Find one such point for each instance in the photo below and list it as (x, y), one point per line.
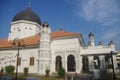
(26, 69)
(118, 79)
(9, 69)
(47, 71)
(105, 75)
(61, 72)
(2, 70)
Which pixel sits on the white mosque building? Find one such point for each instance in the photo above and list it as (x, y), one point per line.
(39, 48)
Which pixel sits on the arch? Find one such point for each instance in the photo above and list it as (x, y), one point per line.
(58, 63)
(85, 63)
(108, 62)
(96, 62)
(71, 65)
(32, 60)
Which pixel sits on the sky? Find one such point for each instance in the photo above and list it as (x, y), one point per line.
(101, 17)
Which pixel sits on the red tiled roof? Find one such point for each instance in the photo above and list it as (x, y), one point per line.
(34, 40)
(62, 33)
(5, 44)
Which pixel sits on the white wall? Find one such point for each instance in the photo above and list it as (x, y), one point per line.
(65, 43)
(98, 49)
(21, 29)
(24, 54)
(64, 47)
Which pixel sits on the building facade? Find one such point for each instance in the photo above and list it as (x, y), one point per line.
(39, 48)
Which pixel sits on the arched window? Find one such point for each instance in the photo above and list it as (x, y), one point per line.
(85, 63)
(71, 64)
(31, 60)
(58, 63)
(19, 61)
(96, 62)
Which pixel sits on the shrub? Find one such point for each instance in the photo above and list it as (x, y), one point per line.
(2, 70)
(9, 69)
(47, 71)
(26, 71)
(105, 75)
(118, 79)
(61, 72)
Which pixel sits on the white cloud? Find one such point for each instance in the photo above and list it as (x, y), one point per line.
(105, 12)
(118, 44)
(111, 34)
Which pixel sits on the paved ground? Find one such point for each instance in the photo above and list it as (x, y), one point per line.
(78, 77)
(11, 78)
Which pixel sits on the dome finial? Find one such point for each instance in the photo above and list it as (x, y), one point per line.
(45, 24)
(91, 34)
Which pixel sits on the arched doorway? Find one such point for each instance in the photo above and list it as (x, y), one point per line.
(71, 66)
(58, 63)
(108, 62)
(85, 63)
(96, 62)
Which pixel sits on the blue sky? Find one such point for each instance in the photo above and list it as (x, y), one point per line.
(102, 17)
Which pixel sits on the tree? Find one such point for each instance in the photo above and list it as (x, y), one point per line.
(61, 72)
(47, 71)
(9, 69)
(1, 71)
(26, 69)
(105, 75)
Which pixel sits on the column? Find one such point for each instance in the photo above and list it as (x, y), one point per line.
(65, 61)
(80, 64)
(102, 61)
(77, 61)
(52, 62)
(114, 61)
(91, 64)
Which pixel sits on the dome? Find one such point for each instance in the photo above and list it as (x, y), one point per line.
(91, 34)
(100, 43)
(27, 15)
(45, 24)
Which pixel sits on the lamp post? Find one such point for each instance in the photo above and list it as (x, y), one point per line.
(18, 43)
(111, 53)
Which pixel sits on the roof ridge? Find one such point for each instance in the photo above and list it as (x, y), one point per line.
(65, 31)
(30, 36)
(3, 38)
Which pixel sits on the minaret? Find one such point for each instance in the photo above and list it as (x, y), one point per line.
(44, 48)
(91, 37)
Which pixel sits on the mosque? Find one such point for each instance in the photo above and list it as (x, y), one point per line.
(32, 44)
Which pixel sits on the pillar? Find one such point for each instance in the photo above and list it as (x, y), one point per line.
(91, 64)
